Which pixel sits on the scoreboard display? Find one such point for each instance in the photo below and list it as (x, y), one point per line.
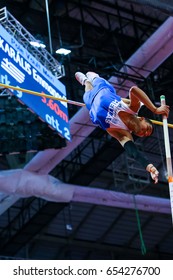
(20, 69)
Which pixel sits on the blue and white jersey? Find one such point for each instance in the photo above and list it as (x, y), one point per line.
(104, 105)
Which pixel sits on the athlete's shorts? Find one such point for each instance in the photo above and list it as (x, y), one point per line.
(98, 100)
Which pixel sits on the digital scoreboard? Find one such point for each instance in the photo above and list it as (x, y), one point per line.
(19, 68)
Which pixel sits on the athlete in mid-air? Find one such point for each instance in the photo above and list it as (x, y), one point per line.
(119, 116)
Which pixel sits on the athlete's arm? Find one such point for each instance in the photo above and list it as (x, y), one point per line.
(137, 95)
(126, 140)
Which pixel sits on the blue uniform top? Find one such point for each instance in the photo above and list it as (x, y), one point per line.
(104, 104)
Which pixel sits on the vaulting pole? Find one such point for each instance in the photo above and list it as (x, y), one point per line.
(170, 125)
(62, 99)
(42, 94)
(168, 155)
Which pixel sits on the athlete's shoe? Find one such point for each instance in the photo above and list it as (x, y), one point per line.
(91, 76)
(80, 77)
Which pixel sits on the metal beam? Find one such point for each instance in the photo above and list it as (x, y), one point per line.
(26, 184)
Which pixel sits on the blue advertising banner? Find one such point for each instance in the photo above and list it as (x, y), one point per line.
(20, 69)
